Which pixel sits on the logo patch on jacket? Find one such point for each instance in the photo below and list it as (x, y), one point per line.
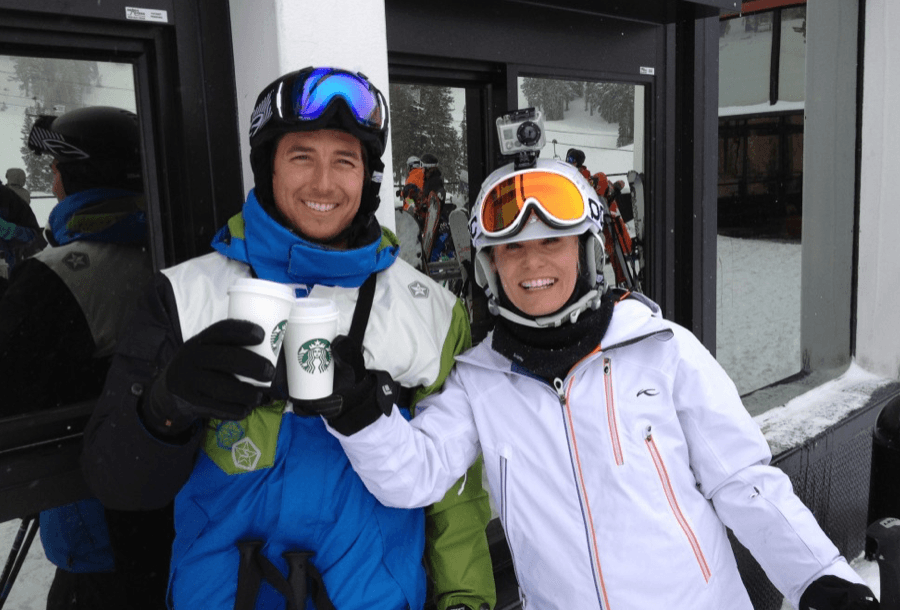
(418, 290)
(238, 447)
(228, 433)
(77, 261)
(245, 454)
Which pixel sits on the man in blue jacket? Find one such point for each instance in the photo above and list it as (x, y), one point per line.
(268, 512)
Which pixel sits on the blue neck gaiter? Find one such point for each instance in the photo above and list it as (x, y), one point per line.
(278, 255)
(100, 214)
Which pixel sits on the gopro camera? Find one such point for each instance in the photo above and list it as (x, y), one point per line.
(521, 131)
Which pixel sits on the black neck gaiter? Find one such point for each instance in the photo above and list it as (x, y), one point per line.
(550, 353)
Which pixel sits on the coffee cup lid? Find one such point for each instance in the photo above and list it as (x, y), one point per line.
(312, 309)
(258, 286)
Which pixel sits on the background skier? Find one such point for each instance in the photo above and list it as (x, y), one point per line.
(59, 322)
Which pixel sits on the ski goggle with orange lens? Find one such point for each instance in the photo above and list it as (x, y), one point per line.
(558, 202)
(313, 93)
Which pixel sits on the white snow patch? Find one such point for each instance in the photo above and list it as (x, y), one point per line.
(811, 413)
(29, 592)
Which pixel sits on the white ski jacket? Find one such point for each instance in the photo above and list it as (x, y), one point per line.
(616, 485)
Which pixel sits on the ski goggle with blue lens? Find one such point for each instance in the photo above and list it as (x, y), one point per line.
(314, 92)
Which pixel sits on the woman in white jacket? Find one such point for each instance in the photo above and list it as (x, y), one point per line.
(616, 448)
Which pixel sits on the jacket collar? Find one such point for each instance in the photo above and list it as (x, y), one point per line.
(635, 318)
(99, 214)
(275, 253)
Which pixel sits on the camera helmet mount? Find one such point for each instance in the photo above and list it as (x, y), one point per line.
(521, 135)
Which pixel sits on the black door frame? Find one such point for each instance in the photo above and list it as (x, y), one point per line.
(186, 100)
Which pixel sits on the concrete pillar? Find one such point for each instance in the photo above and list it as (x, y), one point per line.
(878, 291)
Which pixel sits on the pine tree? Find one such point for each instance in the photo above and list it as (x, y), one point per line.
(422, 123)
(549, 95)
(37, 167)
(403, 116)
(616, 105)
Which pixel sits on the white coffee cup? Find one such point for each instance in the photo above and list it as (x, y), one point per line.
(267, 304)
(311, 327)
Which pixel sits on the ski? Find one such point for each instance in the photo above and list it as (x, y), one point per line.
(637, 203)
(462, 239)
(462, 245)
(430, 226)
(624, 269)
(410, 235)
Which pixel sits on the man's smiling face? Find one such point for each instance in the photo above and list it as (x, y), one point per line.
(317, 181)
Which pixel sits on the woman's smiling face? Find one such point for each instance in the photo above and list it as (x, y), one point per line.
(538, 275)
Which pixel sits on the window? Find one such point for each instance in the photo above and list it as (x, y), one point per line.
(32, 86)
(430, 119)
(605, 121)
(29, 87)
(760, 200)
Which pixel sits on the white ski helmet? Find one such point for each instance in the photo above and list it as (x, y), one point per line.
(550, 199)
(413, 162)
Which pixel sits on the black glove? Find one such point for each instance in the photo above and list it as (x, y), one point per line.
(360, 396)
(834, 593)
(199, 382)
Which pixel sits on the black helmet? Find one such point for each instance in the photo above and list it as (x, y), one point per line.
(319, 98)
(99, 146)
(575, 157)
(429, 160)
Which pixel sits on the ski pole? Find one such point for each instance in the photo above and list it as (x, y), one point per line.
(27, 529)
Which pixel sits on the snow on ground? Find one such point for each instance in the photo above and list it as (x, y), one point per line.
(29, 592)
(757, 310)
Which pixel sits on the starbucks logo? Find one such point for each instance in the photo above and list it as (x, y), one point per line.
(315, 356)
(277, 336)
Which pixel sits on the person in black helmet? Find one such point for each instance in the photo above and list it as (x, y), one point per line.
(262, 492)
(59, 320)
(20, 235)
(575, 156)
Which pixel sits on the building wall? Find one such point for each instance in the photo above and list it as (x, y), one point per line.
(273, 37)
(828, 183)
(878, 314)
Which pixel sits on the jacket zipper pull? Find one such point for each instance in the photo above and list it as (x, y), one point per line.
(648, 433)
(559, 384)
